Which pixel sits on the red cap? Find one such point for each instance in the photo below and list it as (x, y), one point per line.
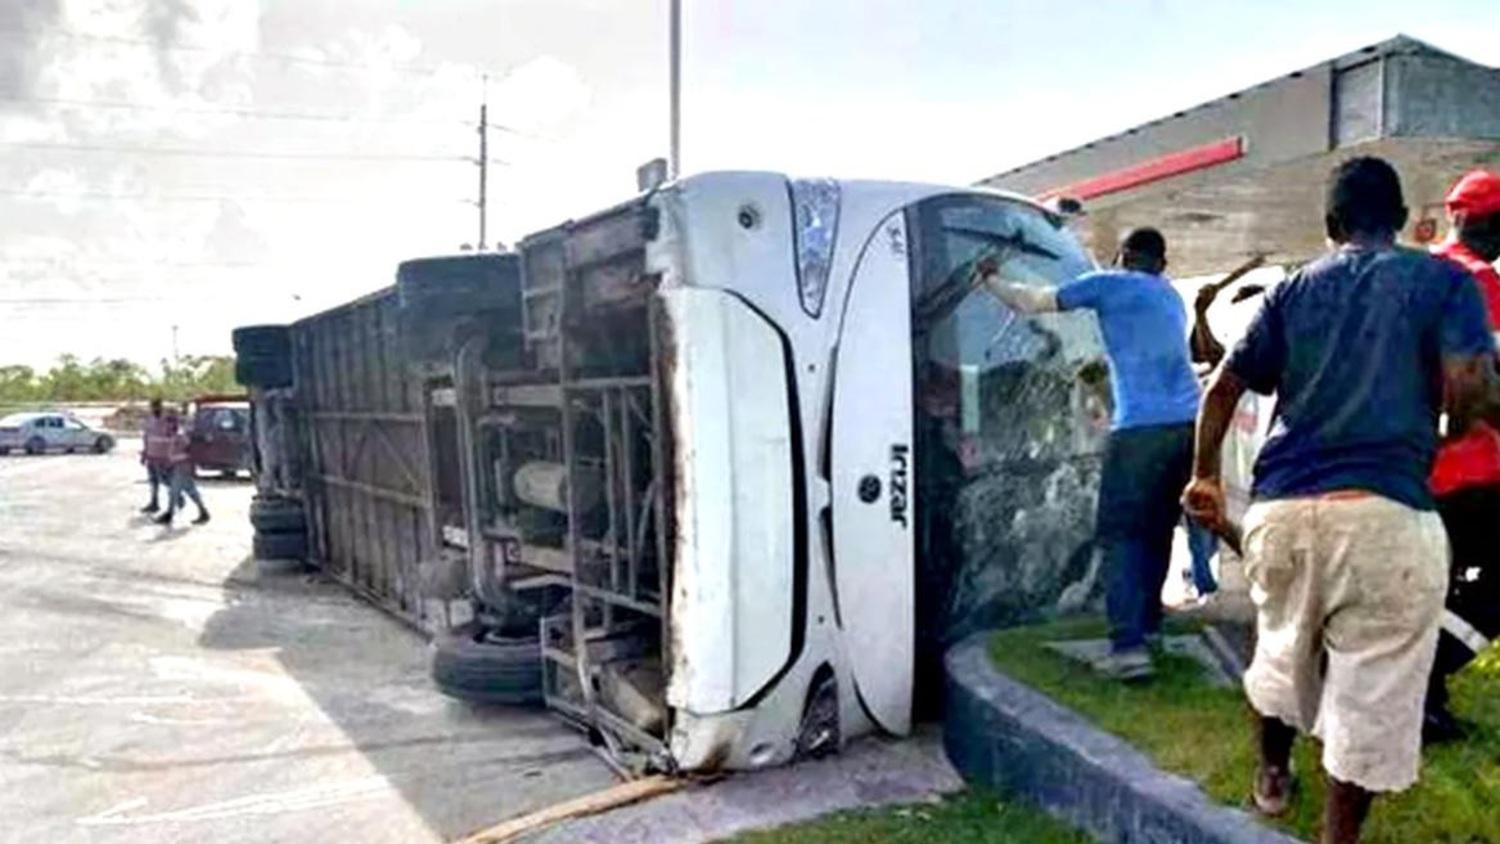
(1477, 194)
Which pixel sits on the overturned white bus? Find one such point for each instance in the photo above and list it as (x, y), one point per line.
(724, 468)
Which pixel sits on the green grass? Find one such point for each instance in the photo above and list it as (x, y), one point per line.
(969, 818)
(1204, 733)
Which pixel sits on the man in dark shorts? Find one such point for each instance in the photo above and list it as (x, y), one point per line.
(1346, 556)
(1151, 436)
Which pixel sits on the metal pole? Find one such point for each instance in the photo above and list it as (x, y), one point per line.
(674, 156)
(484, 164)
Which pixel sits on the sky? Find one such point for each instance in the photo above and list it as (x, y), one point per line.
(211, 163)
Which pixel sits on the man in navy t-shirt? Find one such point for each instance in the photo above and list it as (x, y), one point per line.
(1151, 439)
(1346, 557)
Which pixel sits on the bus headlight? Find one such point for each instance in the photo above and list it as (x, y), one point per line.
(815, 223)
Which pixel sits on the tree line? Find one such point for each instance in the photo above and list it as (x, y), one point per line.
(74, 380)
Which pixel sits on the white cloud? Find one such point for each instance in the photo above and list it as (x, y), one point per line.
(57, 188)
(539, 94)
(143, 66)
(147, 261)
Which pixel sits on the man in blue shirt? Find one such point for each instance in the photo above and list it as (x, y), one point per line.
(1346, 557)
(1151, 438)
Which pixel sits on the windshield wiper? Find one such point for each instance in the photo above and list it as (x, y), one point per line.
(1015, 241)
(938, 301)
(943, 298)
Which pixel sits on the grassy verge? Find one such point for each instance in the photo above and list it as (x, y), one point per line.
(970, 818)
(1203, 733)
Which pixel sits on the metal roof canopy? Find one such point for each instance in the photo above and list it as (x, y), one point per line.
(1246, 173)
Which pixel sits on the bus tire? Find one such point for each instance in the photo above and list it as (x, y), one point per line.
(473, 665)
(278, 517)
(280, 546)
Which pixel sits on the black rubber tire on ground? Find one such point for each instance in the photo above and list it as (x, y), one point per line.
(277, 568)
(104, 444)
(36, 445)
(283, 517)
(290, 545)
(471, 666)
(267, 503)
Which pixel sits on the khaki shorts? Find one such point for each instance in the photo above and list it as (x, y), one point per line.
(1349, 593)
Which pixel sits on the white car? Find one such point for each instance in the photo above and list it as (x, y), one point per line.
(38, 433)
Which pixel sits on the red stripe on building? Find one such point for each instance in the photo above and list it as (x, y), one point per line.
(1154, 169)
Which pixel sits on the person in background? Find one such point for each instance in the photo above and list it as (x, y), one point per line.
(1202, 546)
(1345, 555)
(156, 443)
(184, 476)
(1206, 351)
(1251, 424)
(1466, 477)
(1147, 459)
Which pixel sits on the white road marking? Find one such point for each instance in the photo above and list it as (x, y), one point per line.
(23, 467)
(133, 803)
(270, 803)
(102, 700)
(148, 718)
(265, 678)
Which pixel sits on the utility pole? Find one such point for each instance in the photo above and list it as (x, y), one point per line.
(484, 161)
(674, 155)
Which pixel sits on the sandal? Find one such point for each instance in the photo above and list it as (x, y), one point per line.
(1272, 793)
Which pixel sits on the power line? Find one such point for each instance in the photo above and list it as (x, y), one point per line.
(57, 262)
(46, 262)
(262, 114)
(233, 111)
(287, 58)
(198, 294)
(83, 299)
(56, 300)
(69, 262)
(146, 197)
(212, 153)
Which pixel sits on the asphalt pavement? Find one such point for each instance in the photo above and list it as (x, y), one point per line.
(154, 686)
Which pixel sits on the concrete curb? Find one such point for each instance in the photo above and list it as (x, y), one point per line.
(1003, 734)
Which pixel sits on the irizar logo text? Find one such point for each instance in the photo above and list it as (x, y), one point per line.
(900, 460)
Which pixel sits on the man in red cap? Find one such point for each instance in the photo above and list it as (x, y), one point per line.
(1466, 476)
(1474, 233)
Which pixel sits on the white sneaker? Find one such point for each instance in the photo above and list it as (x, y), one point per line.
(1126, 665)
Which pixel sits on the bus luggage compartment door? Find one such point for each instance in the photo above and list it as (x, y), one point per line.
(872, 476)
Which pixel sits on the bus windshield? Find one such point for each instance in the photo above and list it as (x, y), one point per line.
(1012, 412)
